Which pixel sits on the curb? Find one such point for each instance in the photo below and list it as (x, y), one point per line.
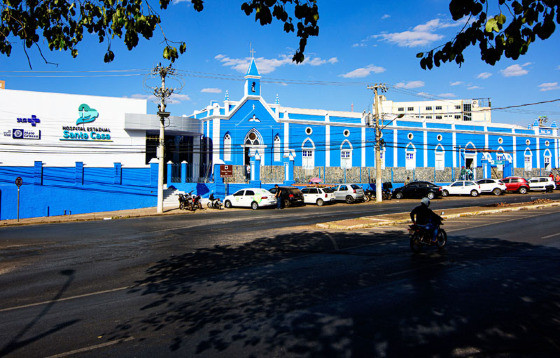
(377, 222)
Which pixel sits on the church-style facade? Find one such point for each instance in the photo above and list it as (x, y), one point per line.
(314, 138)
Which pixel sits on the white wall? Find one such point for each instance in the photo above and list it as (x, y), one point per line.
(55, 111)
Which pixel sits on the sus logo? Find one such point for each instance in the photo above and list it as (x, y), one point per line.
(87, 114)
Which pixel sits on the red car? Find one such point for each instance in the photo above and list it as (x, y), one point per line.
(518, 184)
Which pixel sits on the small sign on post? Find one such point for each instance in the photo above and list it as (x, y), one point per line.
(19, 183)
(226, 171)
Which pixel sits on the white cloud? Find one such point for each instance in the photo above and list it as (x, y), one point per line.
(447, 95)
(386, 16)
(484, 75)
(456, 83)
(211, 90)
(175, 2)
(549, 86)
(178, 98)
(474, 87)
(410, 85)
(175, 98)
(270, 65)
(515, 70)
(420, 35)
(149, 97)
(363, 72)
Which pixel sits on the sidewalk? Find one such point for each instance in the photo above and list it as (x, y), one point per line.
(404, 218)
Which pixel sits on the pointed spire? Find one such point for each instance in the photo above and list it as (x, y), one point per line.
(277, 99)
(252, 71)
(227, 96)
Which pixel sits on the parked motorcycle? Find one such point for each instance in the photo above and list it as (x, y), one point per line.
(370, 194)
(196, 204)
(186, 202)
(420, 236)
(214, 203)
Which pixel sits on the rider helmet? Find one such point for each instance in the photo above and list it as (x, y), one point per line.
(426, 201)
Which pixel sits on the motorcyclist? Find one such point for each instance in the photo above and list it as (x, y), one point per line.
(422, 215)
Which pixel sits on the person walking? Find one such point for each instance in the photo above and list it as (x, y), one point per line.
(248, 172)
(278, 196)
(407, 181)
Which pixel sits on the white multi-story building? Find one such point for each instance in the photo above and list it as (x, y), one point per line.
(461, 110)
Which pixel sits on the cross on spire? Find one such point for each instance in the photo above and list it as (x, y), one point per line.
(252, 52)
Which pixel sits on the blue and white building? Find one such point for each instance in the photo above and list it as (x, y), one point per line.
(315, 138)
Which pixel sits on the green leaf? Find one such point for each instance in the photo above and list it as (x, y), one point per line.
(420, 55)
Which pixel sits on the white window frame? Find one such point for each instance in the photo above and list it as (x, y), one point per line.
(410, 157)
(277, 149)
(346, 158)
(227, 147)
(547, 160)
(308, 158)
(528, 160)
(439, 162)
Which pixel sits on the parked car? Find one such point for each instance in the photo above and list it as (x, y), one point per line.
(349, 193)
(461, 187)
(542, 183)
(253, 198)
(290, 196)
(516, 184)
(417, 189)
(318, 196)
(494, 186)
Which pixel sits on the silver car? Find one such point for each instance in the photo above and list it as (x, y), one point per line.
(349, 193)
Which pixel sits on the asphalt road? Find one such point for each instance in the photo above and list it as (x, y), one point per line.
(245, 283)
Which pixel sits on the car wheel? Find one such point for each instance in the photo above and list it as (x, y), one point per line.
(431, 195)
(445, 193)
(366, 198)
(349, 199)
(320, 202)
(474, 193)
(286, 203)
(398, 195)
(497, 191)
(227, 204)
(254, 205)
(523, 190)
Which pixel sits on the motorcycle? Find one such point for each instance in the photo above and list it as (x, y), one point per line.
(420, 236)
(386, 194)
(196, 204)
(214, 203)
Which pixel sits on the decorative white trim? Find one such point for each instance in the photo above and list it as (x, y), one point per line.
(363, 147)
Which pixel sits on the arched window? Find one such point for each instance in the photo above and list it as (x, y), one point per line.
(410, 153)
(277, 150)
(528, 160)
(547, 160)
(439, 157)
(227, 147)
(500, 157)
(346, 155)
(308, 154)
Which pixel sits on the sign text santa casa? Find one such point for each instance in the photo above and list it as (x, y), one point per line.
(83, 133)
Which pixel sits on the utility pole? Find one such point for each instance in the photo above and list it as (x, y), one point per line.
(378, 181)
(162, 93)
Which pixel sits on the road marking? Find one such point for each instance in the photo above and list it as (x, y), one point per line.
(91, 348)
(65, 299)
(498, 222)
(549, 236)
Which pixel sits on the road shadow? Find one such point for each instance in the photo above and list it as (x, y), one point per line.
(22, 338)
(319, 294)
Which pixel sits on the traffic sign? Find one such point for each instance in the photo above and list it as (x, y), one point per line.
(19, 181)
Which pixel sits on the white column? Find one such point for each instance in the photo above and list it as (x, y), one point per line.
(395, 145)
(425, 145)
(286, 135)
(514, 145)
(216, 153)
(454, 144)
(555, 134)
(363, 146)
(486, 137)
(327, 141)
(538, 140)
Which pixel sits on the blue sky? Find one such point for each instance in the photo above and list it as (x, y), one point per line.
(359, 43)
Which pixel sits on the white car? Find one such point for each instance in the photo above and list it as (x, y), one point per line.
(317, 196)
(461, 187)
(494, 186)
(540, 183)
(253, 198)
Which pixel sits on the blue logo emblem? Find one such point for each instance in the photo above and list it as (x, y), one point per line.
(87, 114)
(33, 120)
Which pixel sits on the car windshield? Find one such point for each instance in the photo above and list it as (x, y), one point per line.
(328, 190)
(354, 186)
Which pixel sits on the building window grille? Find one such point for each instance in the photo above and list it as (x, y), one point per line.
(400, 109)
(439, 108)
(428, 108)
(410, 109)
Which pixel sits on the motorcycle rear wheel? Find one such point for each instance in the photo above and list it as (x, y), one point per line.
(416, 242)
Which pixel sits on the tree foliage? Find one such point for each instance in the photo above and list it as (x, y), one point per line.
(62, 24)
(509, 32)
